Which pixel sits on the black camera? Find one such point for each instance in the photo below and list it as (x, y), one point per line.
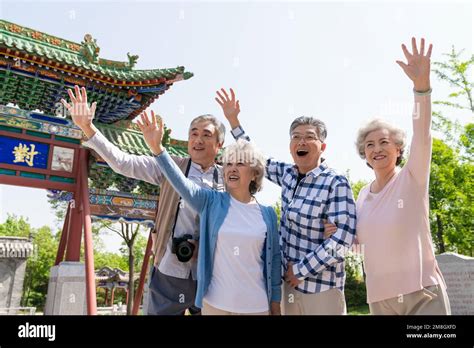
(182, 248)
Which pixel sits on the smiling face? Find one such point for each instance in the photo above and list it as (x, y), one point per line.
(237, 176)
(203, 143)
(380, 149)
(306, 148)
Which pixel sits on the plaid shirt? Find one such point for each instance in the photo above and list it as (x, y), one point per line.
(321, 194)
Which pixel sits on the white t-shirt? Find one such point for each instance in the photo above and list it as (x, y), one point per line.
(237, 283)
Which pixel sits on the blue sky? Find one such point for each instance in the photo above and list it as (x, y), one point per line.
(331, 60)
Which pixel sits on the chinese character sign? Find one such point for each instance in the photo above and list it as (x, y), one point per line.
(23, 153)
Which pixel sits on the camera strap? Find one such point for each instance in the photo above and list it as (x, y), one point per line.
(186, 173)
(215, 179)
(215, 187)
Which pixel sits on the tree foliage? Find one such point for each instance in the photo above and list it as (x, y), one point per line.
(46, 243)
(452, 167)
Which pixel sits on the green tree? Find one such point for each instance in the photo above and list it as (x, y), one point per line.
(451, 193)
(355, 289)
(357, 186)
(130, 233)
(15, 226)
(38, 267)
(139, 248)
(277, 208)
(452, 168)
(455, 71)
(45, 243)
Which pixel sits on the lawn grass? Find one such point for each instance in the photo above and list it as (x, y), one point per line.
(358, 310)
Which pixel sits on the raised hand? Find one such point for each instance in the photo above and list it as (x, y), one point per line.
(230, 106)
(152, 129)
(81, 114)
(417, 67)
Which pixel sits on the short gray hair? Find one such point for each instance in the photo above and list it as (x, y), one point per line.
(246, 152)
(318, 124)
(220, 128)
(396, 133)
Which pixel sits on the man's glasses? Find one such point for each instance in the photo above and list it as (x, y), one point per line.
(308, 138)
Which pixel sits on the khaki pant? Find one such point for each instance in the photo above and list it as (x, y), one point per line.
(330, 302)
(207, 309)
(432, 300)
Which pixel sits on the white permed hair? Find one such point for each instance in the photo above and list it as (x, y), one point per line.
(397, 134)
(247, 152)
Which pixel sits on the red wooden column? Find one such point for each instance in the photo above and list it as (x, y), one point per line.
(88, 248)
(64, 237)
(141, 282)
(73, 249)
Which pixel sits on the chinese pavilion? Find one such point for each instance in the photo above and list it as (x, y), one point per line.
(111, 280)
(40, 147)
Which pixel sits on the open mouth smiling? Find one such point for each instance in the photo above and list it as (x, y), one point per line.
(233, 177)
(302, 153)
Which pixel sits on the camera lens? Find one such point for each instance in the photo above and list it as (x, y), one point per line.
(185, 251)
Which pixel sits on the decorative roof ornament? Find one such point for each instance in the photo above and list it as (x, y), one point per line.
(166, 136)
(132, 60)
(90, 50)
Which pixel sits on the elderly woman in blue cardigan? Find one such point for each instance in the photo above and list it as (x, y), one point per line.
(239, 260)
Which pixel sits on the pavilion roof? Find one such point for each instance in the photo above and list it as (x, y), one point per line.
(107, 274)
(57, 50)
(36, 69)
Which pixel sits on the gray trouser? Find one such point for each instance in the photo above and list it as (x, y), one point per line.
(169, 295)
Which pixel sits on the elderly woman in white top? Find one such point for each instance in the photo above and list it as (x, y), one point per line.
(402, 274)
(239, 262)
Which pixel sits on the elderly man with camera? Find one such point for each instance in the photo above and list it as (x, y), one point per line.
(173, 279)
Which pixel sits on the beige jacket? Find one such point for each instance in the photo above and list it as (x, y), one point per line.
(144, 168)
(166, 214)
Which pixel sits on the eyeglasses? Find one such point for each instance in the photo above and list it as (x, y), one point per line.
(308, 138)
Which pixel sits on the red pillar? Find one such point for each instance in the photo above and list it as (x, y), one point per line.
(141, 282)
(88, 249)
(126, 296)
(64, 237)
(73, 249)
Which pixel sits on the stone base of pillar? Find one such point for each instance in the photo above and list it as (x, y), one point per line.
(67, 290)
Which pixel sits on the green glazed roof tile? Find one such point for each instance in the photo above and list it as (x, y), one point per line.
(131, 141)
(34, 42)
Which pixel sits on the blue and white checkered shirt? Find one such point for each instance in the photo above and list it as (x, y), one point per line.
(321, 195)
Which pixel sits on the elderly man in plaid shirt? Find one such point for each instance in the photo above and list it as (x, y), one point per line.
(312, 193)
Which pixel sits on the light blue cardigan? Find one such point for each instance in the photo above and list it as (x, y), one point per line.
(212, 207)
